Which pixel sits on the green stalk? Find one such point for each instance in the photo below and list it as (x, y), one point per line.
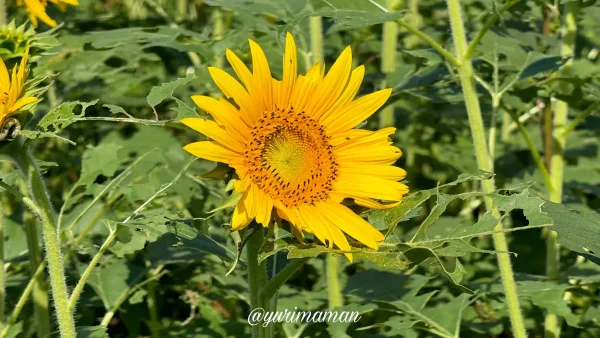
(218, 29)
(414, 19)
(40, 289)
(465, 72)
(154, 325)
(552, 321)
(316, 40)
(257, 277)
(111, 312)
(2, 12)
(582, 116)
(90, 268)
(332, 269)
(534, 153)
(2, 274)
(60, 296)
(388, 62)
(182, 9)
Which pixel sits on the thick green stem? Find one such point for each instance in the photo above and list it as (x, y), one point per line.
(467, 81)
(40, 289)
(60, 296)
(552, 321)
(2, 273)
(388, 62)
(257, 277)
(332, 266)
(279, 279)
(182, 9)
(316, 40)
(151, 301)
(218, 29)
(2, 12)
(334, 285)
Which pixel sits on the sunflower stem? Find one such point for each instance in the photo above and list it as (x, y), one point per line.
(27, 164)
(2, 12)
(40, 289)
(218, 28)
(334, 292)
(552, 324)
(388, 62)
(484, 162)
(2, 274)
(316, 39)
(257, 276)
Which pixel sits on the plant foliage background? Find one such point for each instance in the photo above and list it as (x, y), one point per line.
(108, 136)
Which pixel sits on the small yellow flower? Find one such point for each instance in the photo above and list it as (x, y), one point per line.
(294, 146)
(12, 88)
(37, 9)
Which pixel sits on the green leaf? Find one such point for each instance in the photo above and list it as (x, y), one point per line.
(92, 332)
(543, 64)
(577, 231)
(113, 280)
(355, 13)
(165, 91)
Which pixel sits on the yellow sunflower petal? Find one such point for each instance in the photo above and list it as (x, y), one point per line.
(351, 114)
(382, 171)
(212, 130)
(247, 79)
(249, 112)
(262, 74)
(22, 102)
(37, 10)
(4, 78)
(290, 71)
(369, 203)
(351, 223)
(349, 93)
(225, 115)
(370, 187)
(210, 150)
(331, 87)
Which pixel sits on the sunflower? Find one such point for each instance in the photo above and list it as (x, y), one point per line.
(12, 98)
(294, 146)
(37, 9)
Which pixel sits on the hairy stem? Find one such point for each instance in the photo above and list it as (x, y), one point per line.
(40, 290)
(60, 296)
(2, 272)
(388, 63)
(218, 29)
(465, 72)
(552, 321)
(316, 40)
(257, 276)
(2, 12)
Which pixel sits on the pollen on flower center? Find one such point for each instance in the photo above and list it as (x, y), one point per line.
(290, 158)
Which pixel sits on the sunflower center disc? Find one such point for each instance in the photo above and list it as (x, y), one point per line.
(290, 159)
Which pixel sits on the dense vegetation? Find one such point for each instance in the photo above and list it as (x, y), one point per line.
(502, 161)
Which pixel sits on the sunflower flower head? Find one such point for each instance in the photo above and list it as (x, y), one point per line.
(13, 97)
(294, 146)
(37, 9)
